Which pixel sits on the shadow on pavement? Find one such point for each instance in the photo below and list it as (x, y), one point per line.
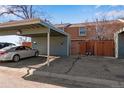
(24, 62)
(94, 67)
(61, 66)
(53, 81)
(62, 82)
(52, 67)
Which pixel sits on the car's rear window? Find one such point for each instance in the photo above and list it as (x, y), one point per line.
(2, 45)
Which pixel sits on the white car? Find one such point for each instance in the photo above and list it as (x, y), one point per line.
(15, 53)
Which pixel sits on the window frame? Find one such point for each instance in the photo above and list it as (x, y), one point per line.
(80, 31)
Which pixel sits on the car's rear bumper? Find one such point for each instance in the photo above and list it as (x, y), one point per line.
(4, 58)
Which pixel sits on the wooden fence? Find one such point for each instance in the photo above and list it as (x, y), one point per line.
(97, 48)
(28, 44)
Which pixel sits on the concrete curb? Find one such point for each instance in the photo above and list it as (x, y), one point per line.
(105, 82)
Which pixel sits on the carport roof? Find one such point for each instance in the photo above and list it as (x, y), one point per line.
(27, 23)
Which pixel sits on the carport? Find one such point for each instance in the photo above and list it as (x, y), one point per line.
(119, 44)
(50, 40)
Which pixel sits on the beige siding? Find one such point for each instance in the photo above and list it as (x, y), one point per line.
(58, 45)
(11, 32)
(34, 31)
(25, 31)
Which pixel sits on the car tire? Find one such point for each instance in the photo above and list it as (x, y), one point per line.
(16, 58)
(36, 54)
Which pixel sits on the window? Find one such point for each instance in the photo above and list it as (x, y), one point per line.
(82, 31)
(20, 48)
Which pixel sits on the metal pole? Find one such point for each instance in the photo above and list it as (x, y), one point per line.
(48, 46)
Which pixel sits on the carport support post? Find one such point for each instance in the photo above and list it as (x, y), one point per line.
(48, 46)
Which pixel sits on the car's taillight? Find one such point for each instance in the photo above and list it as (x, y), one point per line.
(2, 53)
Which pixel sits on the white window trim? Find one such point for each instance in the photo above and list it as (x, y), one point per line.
(82, 34)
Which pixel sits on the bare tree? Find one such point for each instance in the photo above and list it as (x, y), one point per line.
(105, 28)
(25, 12)
(21, 11)
(101, 28)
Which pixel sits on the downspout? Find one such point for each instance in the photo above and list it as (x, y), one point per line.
(116, 44)
(68, 45)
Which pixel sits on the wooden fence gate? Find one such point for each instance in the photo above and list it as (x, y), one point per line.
(97, 48)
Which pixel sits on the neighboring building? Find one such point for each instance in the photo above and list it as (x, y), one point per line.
(119, 42)
(81, 33)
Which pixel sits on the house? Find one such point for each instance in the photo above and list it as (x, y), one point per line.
(90, 36)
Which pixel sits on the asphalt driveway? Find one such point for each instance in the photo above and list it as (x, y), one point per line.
(33, 61)
(88, 66)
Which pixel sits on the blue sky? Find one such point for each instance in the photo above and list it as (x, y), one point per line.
(76, 13)
(71, 14)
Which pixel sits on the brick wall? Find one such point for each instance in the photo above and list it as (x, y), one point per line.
(91, 31)
(73, 31)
